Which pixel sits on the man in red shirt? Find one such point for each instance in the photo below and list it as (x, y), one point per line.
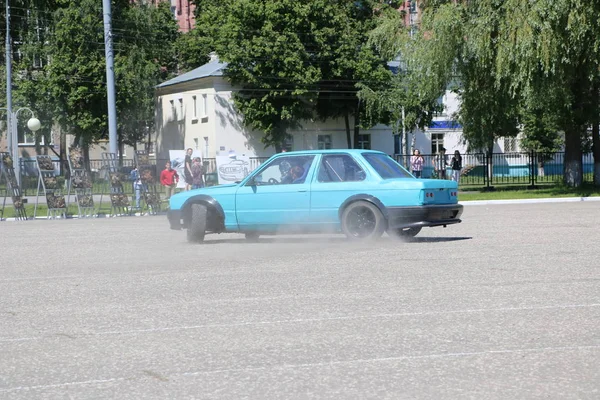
(169, 179)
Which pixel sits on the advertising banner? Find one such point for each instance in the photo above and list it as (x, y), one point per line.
(232, 169)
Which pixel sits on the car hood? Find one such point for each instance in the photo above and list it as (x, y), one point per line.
(178, 199)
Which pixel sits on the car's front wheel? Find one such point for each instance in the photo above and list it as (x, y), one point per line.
(197, 225)
(363, 220)
(404, 232)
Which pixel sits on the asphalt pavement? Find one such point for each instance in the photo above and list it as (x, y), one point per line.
(505, 305)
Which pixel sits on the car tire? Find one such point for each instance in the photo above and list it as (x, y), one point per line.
(197, 226)
(405, 232)
(363, 220)
(252, 236)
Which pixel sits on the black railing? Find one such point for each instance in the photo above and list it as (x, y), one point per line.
(529, 169)
(506, 169)
(99, 173)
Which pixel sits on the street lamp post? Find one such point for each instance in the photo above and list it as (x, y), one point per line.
(12, 133)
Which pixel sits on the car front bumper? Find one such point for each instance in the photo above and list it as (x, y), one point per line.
(431, 215)
(174, 217)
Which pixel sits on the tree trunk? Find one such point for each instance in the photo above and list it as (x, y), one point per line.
(356, 127)
(573, 168)
(596, 151)
(348, 134)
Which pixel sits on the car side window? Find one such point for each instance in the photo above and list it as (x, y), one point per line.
(340, 168)
(284, 170)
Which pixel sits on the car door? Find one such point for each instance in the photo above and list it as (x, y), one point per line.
(277, 195)
(338, 176)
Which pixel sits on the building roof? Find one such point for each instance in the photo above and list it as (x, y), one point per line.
(216, 67)
(213, 68)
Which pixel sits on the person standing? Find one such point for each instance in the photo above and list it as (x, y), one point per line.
(440, 163)
(187, 169)
(456, 164)
(197, 174)
(169, 179)
(138, 185)
(416, 163)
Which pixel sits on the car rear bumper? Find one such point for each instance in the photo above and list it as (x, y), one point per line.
(174, 217)
(433, 215)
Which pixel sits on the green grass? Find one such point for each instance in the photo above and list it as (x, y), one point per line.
(512, 193)
(42, 210)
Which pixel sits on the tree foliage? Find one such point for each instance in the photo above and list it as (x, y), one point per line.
(61, 69)
(508, 56)
(293, 60)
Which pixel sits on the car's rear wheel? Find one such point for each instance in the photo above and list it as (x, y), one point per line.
(197, 226)
(405, 232)
(363, 220)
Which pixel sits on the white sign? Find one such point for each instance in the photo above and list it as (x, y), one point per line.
(177, 158)
(232, 169)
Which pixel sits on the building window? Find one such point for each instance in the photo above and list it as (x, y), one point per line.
(180, 109)
(364, 142)
(195, 107)
(437, 142)
(173, 110)
(204, 113)
(324, 142)
(288, 143)
(27, 138)
(510, 145)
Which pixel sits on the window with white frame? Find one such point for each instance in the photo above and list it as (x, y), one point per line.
(204, 113)
(27, 138)
(364, 141)
(510, 145)
(324, 142)
(173, 110)
(437, 142)
(180, 113)
(195, 101)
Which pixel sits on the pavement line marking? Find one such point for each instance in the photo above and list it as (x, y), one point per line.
(318, 364)
(308, 320)
(56, 385)
(399, 358)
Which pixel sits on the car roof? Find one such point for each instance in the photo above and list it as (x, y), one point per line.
(332, 151)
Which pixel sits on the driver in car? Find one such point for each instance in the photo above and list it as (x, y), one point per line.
(295, 173)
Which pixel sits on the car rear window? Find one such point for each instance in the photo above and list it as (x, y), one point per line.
(385, 166)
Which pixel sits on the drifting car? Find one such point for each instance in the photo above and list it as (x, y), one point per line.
(361, 193)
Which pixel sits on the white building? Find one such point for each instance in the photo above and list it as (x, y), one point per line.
(196, 110)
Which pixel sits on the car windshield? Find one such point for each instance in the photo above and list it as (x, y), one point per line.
(385, 166)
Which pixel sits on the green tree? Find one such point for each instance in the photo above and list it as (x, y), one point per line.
(423, 75)
(144, 55)
(551, 46)
(293, 60)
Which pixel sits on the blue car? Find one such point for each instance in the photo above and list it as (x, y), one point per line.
(361, 193)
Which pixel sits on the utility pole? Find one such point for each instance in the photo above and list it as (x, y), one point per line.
(110, 78)
(8, 83)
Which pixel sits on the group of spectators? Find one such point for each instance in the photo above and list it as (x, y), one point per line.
(193, 174)
(439, 162)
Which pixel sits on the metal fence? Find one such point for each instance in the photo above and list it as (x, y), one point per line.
(99, 173)
(478, 170)
(506, 169)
